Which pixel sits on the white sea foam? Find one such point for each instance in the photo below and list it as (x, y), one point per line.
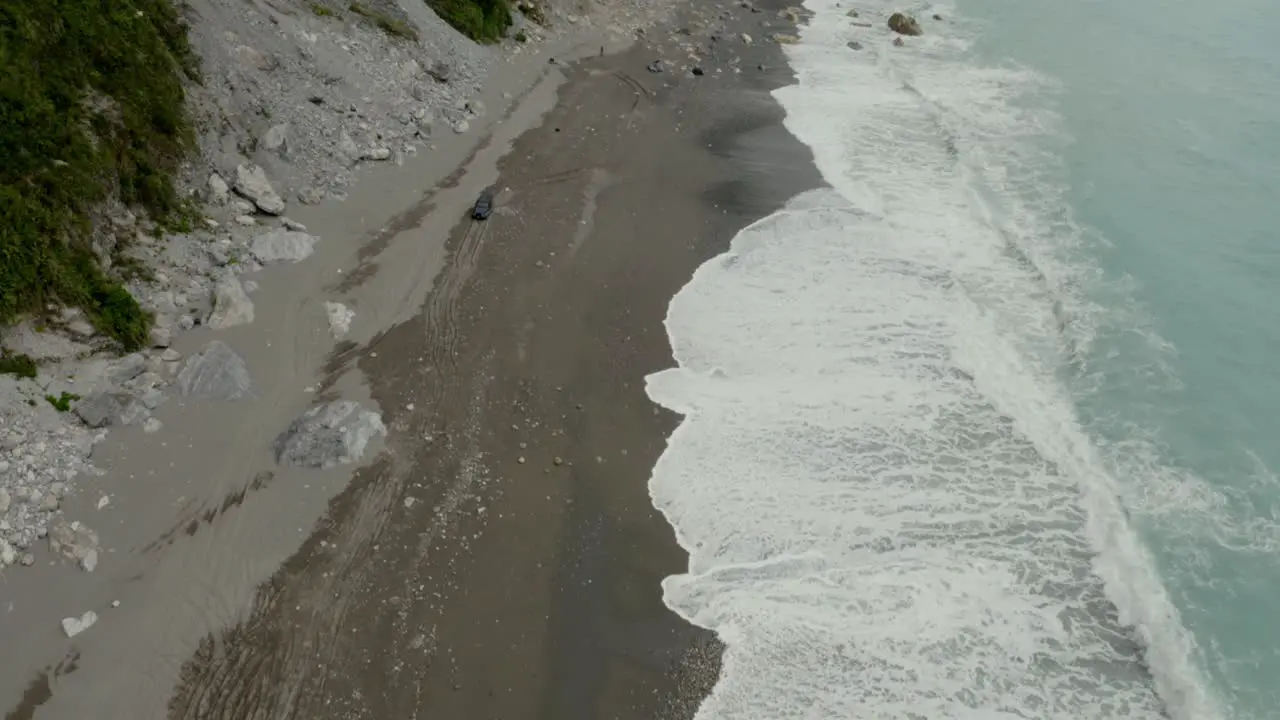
(890, 507)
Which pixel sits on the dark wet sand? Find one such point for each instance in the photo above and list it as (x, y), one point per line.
(503, 559)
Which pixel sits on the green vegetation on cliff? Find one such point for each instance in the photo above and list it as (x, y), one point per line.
(91, 107)
(388, 24)
(17, 365)
(481, 20)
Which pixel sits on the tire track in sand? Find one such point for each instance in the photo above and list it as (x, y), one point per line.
(442, 307)
(284, 656)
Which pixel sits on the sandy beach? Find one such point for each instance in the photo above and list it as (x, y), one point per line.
(500, 557)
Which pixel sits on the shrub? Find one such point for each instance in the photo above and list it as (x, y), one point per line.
(481, 20)
(388, 24)
(62, 403)
(20, 365)
(533, 12)
(116, 314)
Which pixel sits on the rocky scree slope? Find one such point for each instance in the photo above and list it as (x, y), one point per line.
(152, 151)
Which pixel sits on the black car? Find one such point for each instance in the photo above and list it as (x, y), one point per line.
(483, 207)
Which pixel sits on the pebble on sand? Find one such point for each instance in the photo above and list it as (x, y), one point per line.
(340, 317)
(74, 626)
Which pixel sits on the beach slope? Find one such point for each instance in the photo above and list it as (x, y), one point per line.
(503, 560)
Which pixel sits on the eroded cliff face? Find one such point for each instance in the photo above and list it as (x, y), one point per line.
(181, 166)
(308, 90)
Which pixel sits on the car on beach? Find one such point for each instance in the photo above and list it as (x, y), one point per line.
(483, 207)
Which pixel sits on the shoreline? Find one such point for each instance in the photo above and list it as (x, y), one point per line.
(340, 618)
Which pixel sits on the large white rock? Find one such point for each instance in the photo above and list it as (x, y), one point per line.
(74, 626)
(276, 137)
(283, 246)
(336, 433)
(215, 371)
(231, 304)
(340, 317)
(74, 540)
(348, 147)
(161, 337)
(111, 408)
(127, 368)
(251, 182)
(218, 190)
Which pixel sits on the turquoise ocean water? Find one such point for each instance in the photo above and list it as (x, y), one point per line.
(1173, 115)
(990, 428)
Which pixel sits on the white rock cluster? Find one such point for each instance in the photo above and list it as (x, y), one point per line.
(39, 459)
(340, 317)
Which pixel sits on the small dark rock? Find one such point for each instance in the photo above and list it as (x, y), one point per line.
(316, 100)
(853, 45)
(937, 17)
(904, 24)
(697, 71)
(655, 66)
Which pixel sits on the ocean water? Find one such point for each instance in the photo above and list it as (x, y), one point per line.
(987, 429)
